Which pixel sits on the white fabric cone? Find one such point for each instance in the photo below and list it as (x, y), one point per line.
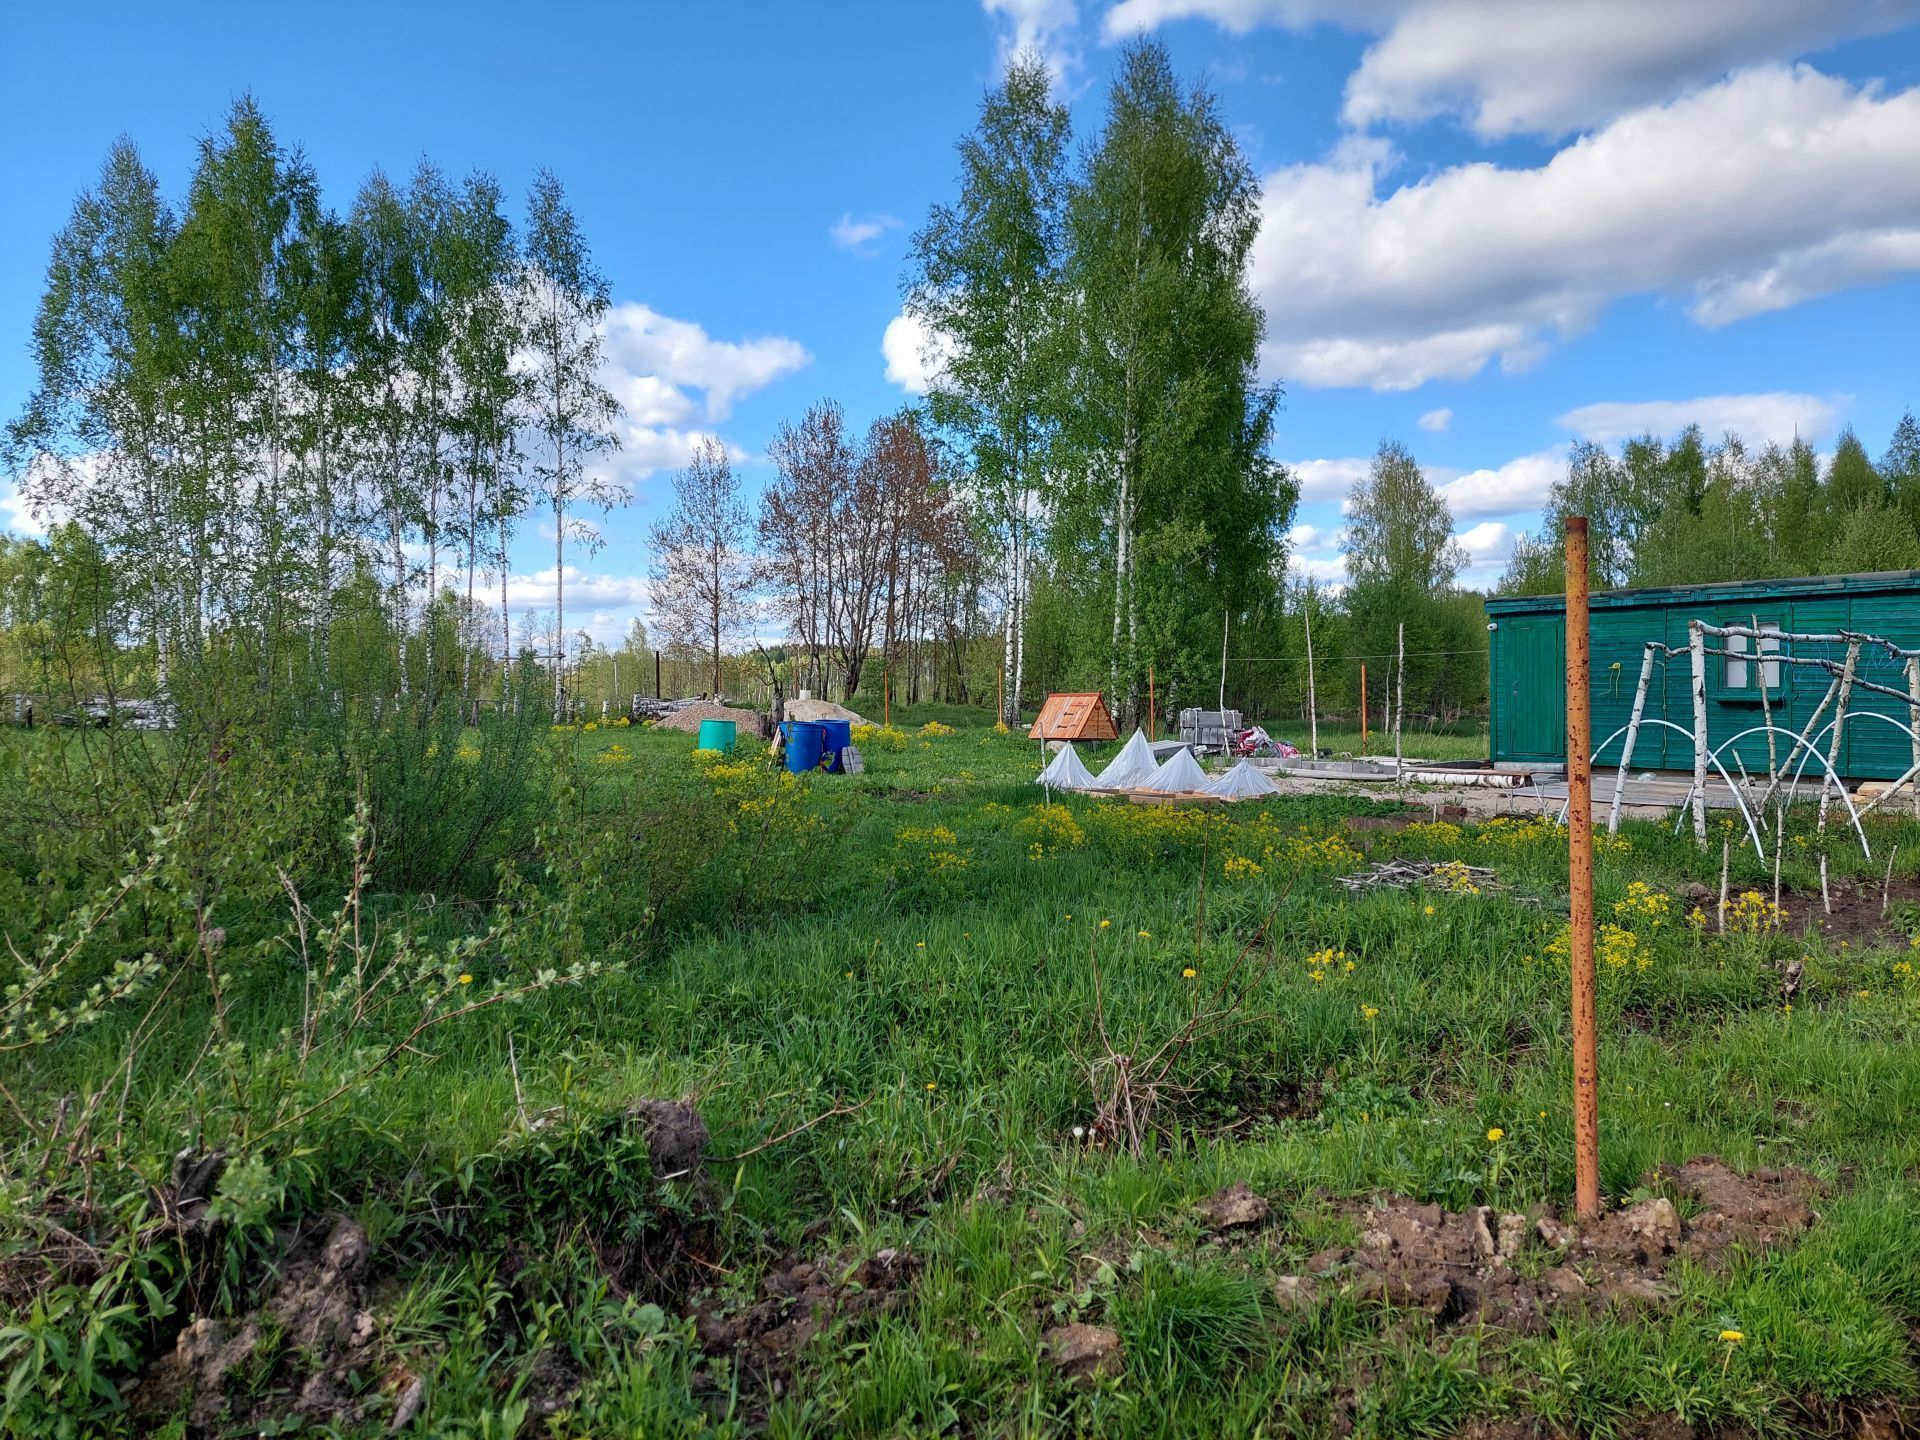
(1066, 771)
(1132, 768)
(1243, 782)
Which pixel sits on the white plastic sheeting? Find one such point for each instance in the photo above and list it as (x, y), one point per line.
(1066, 771)
(1243, 782)
(1132, 768)
(1180, 773)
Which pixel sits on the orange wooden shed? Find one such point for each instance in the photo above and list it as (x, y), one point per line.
(1074, 715)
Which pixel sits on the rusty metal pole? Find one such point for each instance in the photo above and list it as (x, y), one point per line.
(1586, 1061)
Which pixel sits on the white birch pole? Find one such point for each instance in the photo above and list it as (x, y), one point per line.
(1697, 643)
(1633, 734)
(1226, 622)
(1313, 706)
(1832, 781)
(1400, 698)
(1913, 720)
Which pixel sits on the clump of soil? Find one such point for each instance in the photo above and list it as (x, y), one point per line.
(1515, 1271)
(796, 1300)
(1085, 1354)
(304, 1352)
(675, 1251)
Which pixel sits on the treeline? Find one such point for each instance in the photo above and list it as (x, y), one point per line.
(295, 442)
(1092, 345)
(861, 551)
(1690, 512)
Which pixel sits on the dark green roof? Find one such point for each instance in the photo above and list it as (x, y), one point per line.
(1717, 593)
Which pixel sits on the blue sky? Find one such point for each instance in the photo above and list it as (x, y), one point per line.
(1490, 226)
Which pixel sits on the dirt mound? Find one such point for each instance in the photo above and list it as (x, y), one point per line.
(688, 718)
(1514, 1270)
(798, 1299)
(307, 1351)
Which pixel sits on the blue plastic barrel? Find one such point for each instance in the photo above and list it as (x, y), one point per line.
(839, 735)
(806, 742)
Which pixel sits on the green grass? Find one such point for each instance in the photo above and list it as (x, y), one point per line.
(918, 947)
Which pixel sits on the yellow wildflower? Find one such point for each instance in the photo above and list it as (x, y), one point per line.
(1496, 1135)
(1188, 973)
(466, 979)
(1733, 1337)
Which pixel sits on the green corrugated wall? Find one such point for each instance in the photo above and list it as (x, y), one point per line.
(1528, 685)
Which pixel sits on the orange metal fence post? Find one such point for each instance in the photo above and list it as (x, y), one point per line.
(1586, 1062)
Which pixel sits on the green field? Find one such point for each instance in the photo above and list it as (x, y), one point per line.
(967, 1065)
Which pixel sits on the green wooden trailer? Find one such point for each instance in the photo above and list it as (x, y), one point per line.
(1527, 646)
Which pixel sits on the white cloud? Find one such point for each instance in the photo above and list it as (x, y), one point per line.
(1519, 485)
(1489, 546)
(645, 347)
(1512, 67)
(33, 520)
(17, 515)
(1046, 27)
(536, 590)
(859, 233)
(1327, 479)
(1306, 537)
(1765, 190)
(914, 354)
(1759, 419)
(668, 374)
(1436, 420)
(1328, 570)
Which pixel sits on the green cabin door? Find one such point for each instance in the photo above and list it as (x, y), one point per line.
(1535, 681)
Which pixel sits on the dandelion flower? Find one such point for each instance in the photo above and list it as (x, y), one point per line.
(1105, 923)
(1145, 935)
(932, 1085)
(1349, 966)
(1733, 1337)
(1543, 1114)
(1496, 1135)
(919, 944)
(1370, 1012)
(1188, 973)
(466, 979)
(1427, 911)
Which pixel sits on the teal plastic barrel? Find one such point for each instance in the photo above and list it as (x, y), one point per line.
(806, 742)
(717, 735)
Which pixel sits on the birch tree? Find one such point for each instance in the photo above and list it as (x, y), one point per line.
(571, 412)
(1164, 425)
(987, 283)
(702, 578)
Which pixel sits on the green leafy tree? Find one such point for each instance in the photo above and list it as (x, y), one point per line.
(987, 286)
(1163, 424)
(572, 413)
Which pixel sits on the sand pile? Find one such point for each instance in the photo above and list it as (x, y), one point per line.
(688, 718)
(822, 710)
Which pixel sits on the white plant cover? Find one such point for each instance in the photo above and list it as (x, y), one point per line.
(1066, 771)
(1179, 772)
(1133, 767)
(1243, 782)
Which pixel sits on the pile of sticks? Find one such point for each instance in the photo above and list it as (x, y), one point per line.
(1428, 874)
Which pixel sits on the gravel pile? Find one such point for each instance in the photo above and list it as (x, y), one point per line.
(688, 718)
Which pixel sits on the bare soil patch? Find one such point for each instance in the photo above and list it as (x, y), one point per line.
(1515, 1271)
